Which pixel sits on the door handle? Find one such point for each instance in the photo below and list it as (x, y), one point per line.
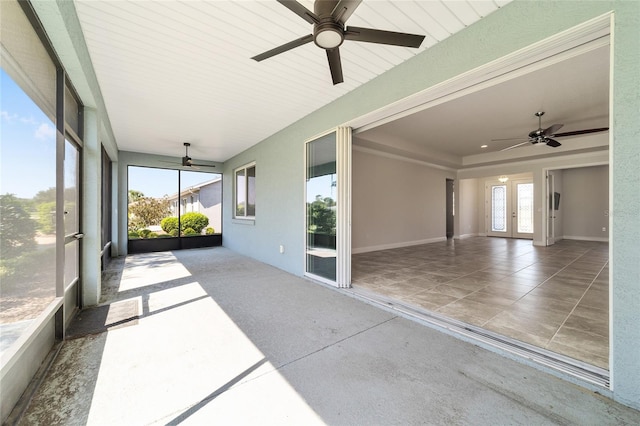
(78, 236)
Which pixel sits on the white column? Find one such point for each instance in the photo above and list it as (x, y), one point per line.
(91, 209)
(343, 218)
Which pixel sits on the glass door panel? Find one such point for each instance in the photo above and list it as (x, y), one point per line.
(153, 203)
(71, 213)
(522, 214)
(499, 209)
(321, 207)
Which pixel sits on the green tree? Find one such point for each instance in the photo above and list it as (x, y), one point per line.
(147, 211)
(47, 217)
(17, 229)
(134, 196)
(45, 196)
(322, 216)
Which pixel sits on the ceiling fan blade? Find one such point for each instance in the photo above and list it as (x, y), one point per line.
(335, 65)
(550, 131)
(514, 146)
(202, 165)
(344, 9)
(581, 132)
(509, 139)
(300, 10)
(553, 143)
(281, 49)
(383, 37)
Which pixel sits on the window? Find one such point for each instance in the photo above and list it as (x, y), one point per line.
(164, 201)
(245, 191)
(29, 190)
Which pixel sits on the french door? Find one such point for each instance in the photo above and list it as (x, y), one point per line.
(510, 209)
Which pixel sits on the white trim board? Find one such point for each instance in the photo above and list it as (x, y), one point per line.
(401, 158)
(465, 236)
(580, 238)
(397, 245)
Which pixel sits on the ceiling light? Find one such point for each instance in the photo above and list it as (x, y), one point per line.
(483, 146)
(328, 38)
(503, 178)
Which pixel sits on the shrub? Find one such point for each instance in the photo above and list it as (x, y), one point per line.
(210, 231)
(169, 224)
(152, 235)
(17, 229)
(47, 217)
(189, 231)
(174, 232)
(133, 234)
(196, 221)
(144, 233)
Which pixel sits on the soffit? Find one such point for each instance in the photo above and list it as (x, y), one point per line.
(176, 71)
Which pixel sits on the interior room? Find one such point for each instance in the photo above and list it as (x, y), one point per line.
(513, 266)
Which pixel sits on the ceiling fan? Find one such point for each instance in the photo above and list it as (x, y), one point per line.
(545, 136)
(329, 31)
(186, 160)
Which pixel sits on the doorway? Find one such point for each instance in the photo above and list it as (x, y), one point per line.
(510, 208)
(450, 207)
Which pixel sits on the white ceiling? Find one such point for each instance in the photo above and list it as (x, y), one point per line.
(574, 92)
(176, 71)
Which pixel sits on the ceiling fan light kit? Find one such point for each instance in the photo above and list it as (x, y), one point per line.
(329, 32)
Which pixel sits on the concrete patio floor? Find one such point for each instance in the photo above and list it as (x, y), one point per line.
(224, 339)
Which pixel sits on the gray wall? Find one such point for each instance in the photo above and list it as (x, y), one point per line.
(467, 208)
(396, 202)
(280, 164)
(585, 200)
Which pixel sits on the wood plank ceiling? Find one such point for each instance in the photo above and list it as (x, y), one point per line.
(176, 71)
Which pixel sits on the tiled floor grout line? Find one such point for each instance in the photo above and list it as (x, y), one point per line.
(556, 261)
(538, 285)
(578, 302)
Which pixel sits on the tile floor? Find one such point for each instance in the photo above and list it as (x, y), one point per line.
(554, 297)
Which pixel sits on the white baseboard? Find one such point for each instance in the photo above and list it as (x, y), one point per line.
(397, 245)
(579, 238)
(463, 236)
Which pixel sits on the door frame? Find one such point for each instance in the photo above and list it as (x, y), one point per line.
(343, 136)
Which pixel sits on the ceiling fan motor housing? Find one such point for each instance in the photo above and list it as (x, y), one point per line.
(328, 34)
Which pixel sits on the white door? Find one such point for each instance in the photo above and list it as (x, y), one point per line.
(510, 209)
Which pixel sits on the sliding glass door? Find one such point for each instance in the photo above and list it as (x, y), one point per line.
(321, 207)
(328, 208)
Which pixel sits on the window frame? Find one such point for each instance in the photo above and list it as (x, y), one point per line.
(245, 191)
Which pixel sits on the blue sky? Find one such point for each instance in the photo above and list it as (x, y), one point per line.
(159, 182)
(28, 151)
(28, 143)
